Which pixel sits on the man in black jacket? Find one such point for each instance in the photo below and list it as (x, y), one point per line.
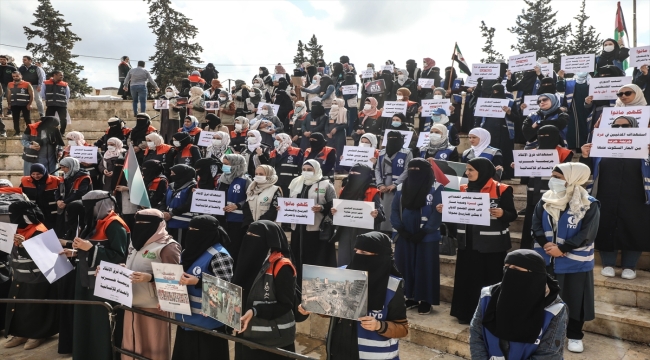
(5, 78)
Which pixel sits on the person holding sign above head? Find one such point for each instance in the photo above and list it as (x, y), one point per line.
(481, 249)
(150, 243)
(374, 336)
(479, 140)
(255, 152)
(622, 187)
(335, 127)
(28, 324)
(528, 84)
(314, 122)
(262, 196)
(41, 143)
(154, 179)
(575, 91)
(286, 160)
(438, 146)
(204, 253)
(220, 146)
(350, 100)
(207, 173)
(178, 200)
(43, 189)
(192, 128)
(369, 121)
(597, 106)
(614, 53)
(417, 223)
(390, 171)
(158, 150)
(324, 155)
(565, 224)
(186, 152)
(549, 113)
(104, 238)
(238, 135)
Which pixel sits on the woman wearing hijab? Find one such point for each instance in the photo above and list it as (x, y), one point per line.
(614, 53)
(417, 223)
(240, 96)
(438, 146)
(325, 90)
(296, 120)
(359, 187)
(43, 189)
(282, 98)
(105, 237)
(117, 129)
(390, 171)
(40, 142)
(307, 248)
(481, 249)
(158, 150)
(262, 196)
(325, 155)
(576, 91)
(479, 140)
(169, 118)
(549, 138)
(404, 82)
(28, 324)
(399, 122)
(204, 253)
(369, 121)
(220, 146)
(309, 97)
(192, 128)
(623, 190)
(196, 104)
(214, 123)
(336, 126)
(265, 261)
(239, 134)
(255, 153)
(565, 224)
(139, 133)
(286, 160)
(150, 243)
(76, 183)
(110, 174)
(261, 91)
(374, 336)
(267, 123)
(153, 174)
(226, 113)
(596, 106)
(186, 152)
(314, 123)
(628, 95)
(207, 173)
(549, 113)
(370, 140)
(75, 138)
(234, 181)
(178, 200)
(523, 311)
(528, 83)
(403, 94)
(429, 71)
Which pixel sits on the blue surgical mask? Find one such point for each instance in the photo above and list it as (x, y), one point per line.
(313, 81)
(436, 118)
(396, 123)
(276, 143)
(556, 185)
(225, 169)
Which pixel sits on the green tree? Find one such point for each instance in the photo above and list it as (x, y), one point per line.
(537, 30)
(585, 39)
(314, 50)
(53, 50)
(300, 54)
(174, 54)
(488, 49)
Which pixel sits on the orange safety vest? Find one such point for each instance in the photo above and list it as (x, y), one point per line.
(369, 195)
(192, 132)
(77, 181)
(234, 134)
(125, 131)
(293, 151)
(563, 153)
(186, 151)
(52, 182)
(10, 190)
(160, 149)
(102, 225)
(322, 155)
(490, 188)
(29, 231)
(277, 261)
(154, 184)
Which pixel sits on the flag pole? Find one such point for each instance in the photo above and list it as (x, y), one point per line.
(634, 22)
(452, 68)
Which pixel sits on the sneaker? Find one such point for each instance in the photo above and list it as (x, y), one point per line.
(608, 271)
(576, 346)
(411, 304)
(15, 341)
(3, 134)
(424, 308)
(522, 212)
(628, 274)
(33, 343)
(18, 135)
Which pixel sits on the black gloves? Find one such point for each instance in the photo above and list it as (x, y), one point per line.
(417, 238)
(404, 235)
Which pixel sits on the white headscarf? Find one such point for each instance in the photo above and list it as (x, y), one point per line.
(75, 136)
(173, 89)
(484, 142)
(216, 151)
(316, 83)
(639, 99)
(156, 139)
(119, 148)
(341, 113)
(575, 195)
(196, 93)
(297, 184)
(372, 138)
(285, 142)
(258, 136)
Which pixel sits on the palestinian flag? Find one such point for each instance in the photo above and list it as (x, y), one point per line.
(621, 30)
(460, 59)
(137, 189)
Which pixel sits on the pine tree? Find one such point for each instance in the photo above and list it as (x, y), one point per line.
(488, 49)
(300, 54)
(585, 40)
(54, 49)
(537, 30)
(315, 51)
(174, 55)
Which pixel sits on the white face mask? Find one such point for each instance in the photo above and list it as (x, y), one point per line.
(265, 112)
(151, 145)
(401, 77)
(367, 107)
(609, 48)
(216, 142)
(222, 98)
(256, 85)
(334, 107)
(111, 148)
(237, 126)
(365, 145)
(557, 186)
(251, 140)
(176, 143)
(169, 94)
(308, 174)
(72, 143)
(399, 97)
(435, 136)
(437, 96)
(260, 179)
(261, 72)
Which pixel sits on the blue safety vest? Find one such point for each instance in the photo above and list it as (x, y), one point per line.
(198, 268)
(569, 90)
(488, 153)
(398, 164)
(645, 173)
(371, 344)
(236, 194)
(426, 211)
(518, 350)
(175, 199)
(443, 154)
(576, 260)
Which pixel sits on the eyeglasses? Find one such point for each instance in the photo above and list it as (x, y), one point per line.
(542, 100)
(621, 125)
(626, 93)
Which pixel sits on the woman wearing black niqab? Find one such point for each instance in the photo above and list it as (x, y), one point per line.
(155, 181)
(502, 131)
(206, 172)
(390, 171)
(325, 155)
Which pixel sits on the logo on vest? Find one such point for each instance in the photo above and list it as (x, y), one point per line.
(149, 255)
(429, 199)
(266, 198)
(376, 314)
(572, 222)
(443, 156)
(236, 188)
(196, 271)
(266, 290)
(289, 159)
(400, 162)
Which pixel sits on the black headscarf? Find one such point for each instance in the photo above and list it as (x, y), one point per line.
(387, 76)
(312, 71)
(20, 209)
(337, 71)
(40, 184)
(349, 79)
(184, 138)
(411, 66)
(403, 126)
(183, 174)
(265, 71)
(115, 129)
(139, 131)
(379, 267)
(485, 170)
(282, 84)
(145, 227)
(394, 142)
(547, 86)
(151, 169)
(435, 74)
(207, 234)
(449, 78)
(548, 137)
(607, 58)
(498, 91)
(527, 82)
(50, 125)
(516, 309)
(213, 121)
(75, 219)
(317, 110)
(204, 171)
(325, 82)
(417, 185)
(317, 143)
(357, 184)
(344, 59)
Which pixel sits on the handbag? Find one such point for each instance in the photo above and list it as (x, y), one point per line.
(448, 244)
(327, 228)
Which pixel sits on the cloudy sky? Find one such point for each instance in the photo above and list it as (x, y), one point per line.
(239, 36)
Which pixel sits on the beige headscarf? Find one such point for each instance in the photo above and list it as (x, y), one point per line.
(256, 188)
(575, 195)
(340, 114)
(196, 93)
(75, 136)
(639, 99)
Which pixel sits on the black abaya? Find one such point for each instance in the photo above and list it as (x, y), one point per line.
(195, 345)
(500, 139)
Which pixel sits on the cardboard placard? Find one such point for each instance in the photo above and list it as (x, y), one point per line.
(388, 67)
(7, 232)
(353, 155)
(367, 74)
(172, 296)
(394, 107)
(206, 137)
(640, 56)
(487, 107)
(426, 83)
(375, 87)
(212, 105)
(85, 154)
(486, 71)
(531, 104)
(349, 89)
(159, 104)
(222, 301)
(336, 292)
(429, 105)
(114, 283)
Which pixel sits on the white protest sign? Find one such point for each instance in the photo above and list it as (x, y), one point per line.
(387, 67)
(426, 83)
(640, 56)
(488, 107)
(353, 155)
(212, 105)
(276, 108)
(354, 214)
(486, 71)
(606, 88)
(159, 104)
(277, 77)
(205, 138)
(45, 249)
(7, 232)
(172, 296)
(535, 162)
(423, 138)
(578, 63)
(113, 283)
(640, 113)
(531, 104)
(466, 208)
(367, 74)
(407, 137)
(471, 81)
(349, 89)
(546, 69)
(521, 62)
(85, 154)
(394, 107)
(626, 143)
(429, 105)
(208, 202)
(295, 211)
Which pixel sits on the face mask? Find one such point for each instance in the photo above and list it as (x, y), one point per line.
(334, 107)
(436, 118)
(225, 169)
(265, 112)
(365, 145)
(111, 148)
(222, 98)
(370, 69)
(216, 142)
(399, 97)
(298, 109)
(176, 143)
(313, 81)
(151, 145)
(308, 174)
(169, 94)
(72, 143)
(261, 72)
(251, 140)
(557, 186)
(256, 85)
(276, 144)
(435, 136)
(609, 48)
(437, 96)
(401, 77)
(260, 179)
(366, 107)
(237, 126)
(396, 123)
